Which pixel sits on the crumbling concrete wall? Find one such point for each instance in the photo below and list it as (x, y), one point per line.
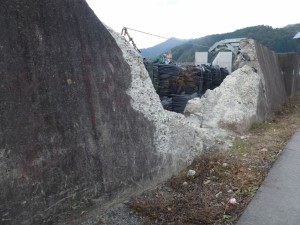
(265, 62)
(259, 85)
(233, 105)
(280, 73)
(273, 79)
(240, 100)
(289, 64)
(80, 122)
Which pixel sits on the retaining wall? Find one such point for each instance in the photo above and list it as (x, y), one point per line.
(289, 64)
(281, 76)
(278, 73)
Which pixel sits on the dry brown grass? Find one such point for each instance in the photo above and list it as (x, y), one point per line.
(220, 176)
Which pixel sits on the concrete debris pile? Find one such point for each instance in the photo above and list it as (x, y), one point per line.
(232, 105)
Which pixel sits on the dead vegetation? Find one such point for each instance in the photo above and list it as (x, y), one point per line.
(224, 182)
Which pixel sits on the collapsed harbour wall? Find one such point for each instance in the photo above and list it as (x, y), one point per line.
(261, 82)
(81, 124)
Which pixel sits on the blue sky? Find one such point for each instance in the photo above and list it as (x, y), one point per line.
(191, 18)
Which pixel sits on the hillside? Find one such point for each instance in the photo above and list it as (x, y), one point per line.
(161, 48)
(278, 39)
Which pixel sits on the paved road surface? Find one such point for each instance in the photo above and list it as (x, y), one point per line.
(277, 202)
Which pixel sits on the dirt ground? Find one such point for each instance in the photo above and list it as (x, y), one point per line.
(224, 182)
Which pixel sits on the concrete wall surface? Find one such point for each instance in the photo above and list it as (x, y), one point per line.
(224, 59)
(274, 84)
(289, 64)
(278, 73)
(80, 123)
(201, 58)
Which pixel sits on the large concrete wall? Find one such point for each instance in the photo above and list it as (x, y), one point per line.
(278, 73)
(80, 122)
(289, 64)
(274, 86)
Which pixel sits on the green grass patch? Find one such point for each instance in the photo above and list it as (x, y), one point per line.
(240, 146)
(262, 125)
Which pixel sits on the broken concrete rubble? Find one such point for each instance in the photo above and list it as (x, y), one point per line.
(233, 105)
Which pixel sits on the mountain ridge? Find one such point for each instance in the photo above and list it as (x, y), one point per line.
(162, 47)
(277, 39)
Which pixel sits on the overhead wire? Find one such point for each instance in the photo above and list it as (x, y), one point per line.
(146, 33)
(161, 36)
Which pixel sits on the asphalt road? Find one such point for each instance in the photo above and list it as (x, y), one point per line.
(277, 202)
